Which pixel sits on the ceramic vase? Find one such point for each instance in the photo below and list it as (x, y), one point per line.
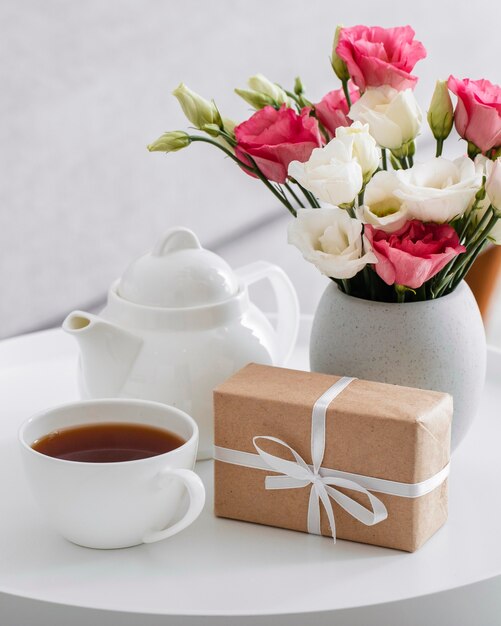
(437, 344)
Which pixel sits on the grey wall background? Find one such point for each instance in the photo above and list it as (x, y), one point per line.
(86, 85)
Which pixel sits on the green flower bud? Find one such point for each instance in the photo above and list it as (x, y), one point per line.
(255, 99)
(198, 110)
(481, 193)
(262, 85)
(170, 142)
(441, 113)
(338, 65)
(298, 86)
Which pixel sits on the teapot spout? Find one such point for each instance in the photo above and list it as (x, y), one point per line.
(107, 353)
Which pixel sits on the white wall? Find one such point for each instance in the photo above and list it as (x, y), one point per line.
(86, 85)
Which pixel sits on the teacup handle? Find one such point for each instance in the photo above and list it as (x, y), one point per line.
(196, 492)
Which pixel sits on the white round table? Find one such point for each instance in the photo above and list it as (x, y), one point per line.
(232, 573)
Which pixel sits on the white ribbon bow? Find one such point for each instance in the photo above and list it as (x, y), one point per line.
(299, 474)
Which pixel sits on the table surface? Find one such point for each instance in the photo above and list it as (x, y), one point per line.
(221, 567)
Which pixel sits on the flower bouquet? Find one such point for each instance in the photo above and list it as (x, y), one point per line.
(381, 226)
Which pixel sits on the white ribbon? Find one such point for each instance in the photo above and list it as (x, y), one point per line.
(297, 474)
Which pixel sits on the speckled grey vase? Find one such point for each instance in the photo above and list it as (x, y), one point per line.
(438, 344)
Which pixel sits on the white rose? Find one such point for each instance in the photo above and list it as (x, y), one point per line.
(394, 117)
(363, 147)
(439, 190)
(332, 240)
(331, 173)
(382, 208)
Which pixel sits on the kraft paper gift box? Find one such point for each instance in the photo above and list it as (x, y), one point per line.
(374, 433)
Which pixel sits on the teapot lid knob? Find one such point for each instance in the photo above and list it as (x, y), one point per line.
(178, 273)
(176, 239)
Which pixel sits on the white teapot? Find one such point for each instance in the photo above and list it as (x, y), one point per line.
(179, 322)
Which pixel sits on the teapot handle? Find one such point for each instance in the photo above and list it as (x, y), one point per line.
(287, 303)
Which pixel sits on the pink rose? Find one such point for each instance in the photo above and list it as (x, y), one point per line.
(413, 254)
(378, 56)
(332, 110)
(275, 138)
(478, 112)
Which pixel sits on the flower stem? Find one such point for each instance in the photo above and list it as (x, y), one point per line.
(294, 195)
(465, 267)
(350, 209)
(486, 218)
(295, 99)
(309, 197)
(279, 190)
(263, 178)
(440, 147)
(442, 280)
(225, 150)
(369, 285)
(400, 290)
(338, 282)
(385, 160)
(227, 137)
(347, 93)
(464, 263)
(278, 193)
(467, 223)
(283, 200)
(421, 292)
(346, 286)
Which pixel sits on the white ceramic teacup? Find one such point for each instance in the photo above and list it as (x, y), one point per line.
(115, 505)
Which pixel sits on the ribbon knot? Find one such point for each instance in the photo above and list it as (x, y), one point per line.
(297, 474)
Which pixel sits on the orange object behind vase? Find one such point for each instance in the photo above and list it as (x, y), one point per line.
(483, 278)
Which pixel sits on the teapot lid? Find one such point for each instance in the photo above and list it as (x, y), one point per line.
(178, 273)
